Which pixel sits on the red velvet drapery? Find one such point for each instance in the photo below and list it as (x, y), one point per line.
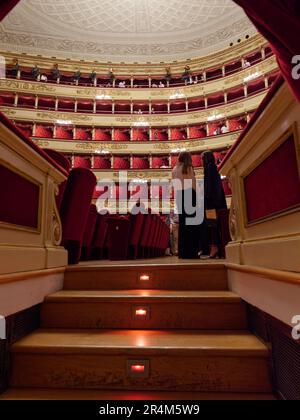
(6, 6)
(279, 22)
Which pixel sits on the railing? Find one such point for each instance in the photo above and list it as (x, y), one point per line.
(155, 81)
(264, 171)
(30, 227)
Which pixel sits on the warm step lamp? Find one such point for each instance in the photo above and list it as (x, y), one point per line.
(138, 369)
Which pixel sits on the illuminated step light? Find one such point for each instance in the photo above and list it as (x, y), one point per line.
(145, 277)
(141, 313)
(138, 368)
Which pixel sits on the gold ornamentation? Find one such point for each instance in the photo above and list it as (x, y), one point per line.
(56, 222)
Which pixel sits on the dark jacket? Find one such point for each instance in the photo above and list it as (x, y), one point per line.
(214, 196)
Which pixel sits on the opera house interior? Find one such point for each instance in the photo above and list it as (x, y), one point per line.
(150, 200)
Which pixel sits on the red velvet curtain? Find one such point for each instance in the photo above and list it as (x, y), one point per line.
(279, 22)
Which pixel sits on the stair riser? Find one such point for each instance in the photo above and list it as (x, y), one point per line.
(184, 373)
(160, 279)
(176, 315)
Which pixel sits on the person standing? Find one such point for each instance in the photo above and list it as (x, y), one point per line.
(77, 76)
(36, 73)
(93, 78)
(15, 69)
(214, 200)
(56, 73)
(186, 201)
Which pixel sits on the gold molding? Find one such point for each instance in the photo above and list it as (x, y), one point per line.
(291, 131)
(106, 120)
(139, 148)
(224, 56)
(265, 67)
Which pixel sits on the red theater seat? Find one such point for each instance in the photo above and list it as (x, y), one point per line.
(82, 162)
(118, 237)
(137, 222)
(102, 134)
(64, 133)
(197, 161)
(121, 163)
(144, 242)
(75, 209)
(86, 249)
(100, 238)
(101, 162)
(44, 132)
(140, 163)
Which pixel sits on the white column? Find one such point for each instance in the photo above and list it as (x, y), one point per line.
(112, 162)
(75, 105)
(150, 161)
(223, 71)
(54, 131)
(93, 133)
(92, 161)
(225, 97)
(131, 107)
(56, 104)
(188, 131)
(169, 107)
(263, 53)
(206, 102)
(34, 129)
(131, 82)
(113, 133)
(36, 104)
(169, 133)
(16, 99)
(131, 162)
(95, 107)
(74, 133)
(246, 91)
(113, 107)
(187, 106)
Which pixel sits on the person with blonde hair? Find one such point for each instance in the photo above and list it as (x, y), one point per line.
(186, 201)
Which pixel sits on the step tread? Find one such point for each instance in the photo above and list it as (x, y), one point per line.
(148, 265)
(95, 296)
(52, 394)
(136, 342)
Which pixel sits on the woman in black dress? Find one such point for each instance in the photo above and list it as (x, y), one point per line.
(214, 200)
(186, 199)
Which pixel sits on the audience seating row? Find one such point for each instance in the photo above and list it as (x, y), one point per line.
(119, 237)
(88, 235)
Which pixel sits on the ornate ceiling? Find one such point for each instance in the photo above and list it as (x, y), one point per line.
(123, 30)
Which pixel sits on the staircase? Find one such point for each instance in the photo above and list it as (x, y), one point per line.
(153, 332)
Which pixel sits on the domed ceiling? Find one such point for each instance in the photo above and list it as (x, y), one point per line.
(123, 30)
